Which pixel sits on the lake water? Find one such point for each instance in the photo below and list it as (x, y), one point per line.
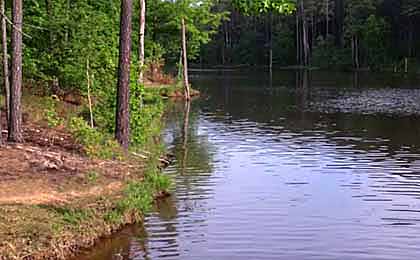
(315, 165)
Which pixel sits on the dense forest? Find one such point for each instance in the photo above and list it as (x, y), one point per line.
(76, 46)
(86, 48)
(374, 34)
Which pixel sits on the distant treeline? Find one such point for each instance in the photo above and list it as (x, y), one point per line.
(374, 34)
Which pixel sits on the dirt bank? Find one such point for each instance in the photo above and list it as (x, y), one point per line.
(55, 200)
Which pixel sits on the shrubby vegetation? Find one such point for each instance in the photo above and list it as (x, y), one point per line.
(72, 45)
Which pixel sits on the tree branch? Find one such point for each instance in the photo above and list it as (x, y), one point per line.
(14, 26)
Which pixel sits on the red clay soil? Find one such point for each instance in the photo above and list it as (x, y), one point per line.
(50, 167)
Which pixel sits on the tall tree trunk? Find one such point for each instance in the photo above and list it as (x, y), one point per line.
(312, 31)
(339, 21)
(353, 51)
(305, 43)
(270, 42)
(357, 52)
(327, 11)
(185, 61)
(142, 25)
(6, 83)
(298, 55)
(225, 41)
(304, 36)
(15, 124)
(122, 128)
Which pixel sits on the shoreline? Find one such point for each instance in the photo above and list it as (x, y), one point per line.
(58, 201)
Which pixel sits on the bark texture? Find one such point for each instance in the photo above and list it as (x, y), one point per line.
(6, 83)
(15, 123)
(122, 128)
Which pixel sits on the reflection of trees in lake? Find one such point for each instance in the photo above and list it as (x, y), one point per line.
(303, 84)
(164, 212)
(187, 108)
(193, 166)
(286, 106)
(191, 148)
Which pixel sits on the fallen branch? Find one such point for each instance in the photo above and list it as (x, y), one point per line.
(164, 161)
(140, 155)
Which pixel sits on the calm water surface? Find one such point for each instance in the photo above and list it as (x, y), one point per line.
(302, 166)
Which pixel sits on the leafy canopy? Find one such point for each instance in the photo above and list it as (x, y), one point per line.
(252, 7)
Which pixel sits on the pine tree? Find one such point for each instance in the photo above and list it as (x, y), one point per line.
(122, 128)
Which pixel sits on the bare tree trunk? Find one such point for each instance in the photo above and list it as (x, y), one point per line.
(142, 25)
(270, 43)
(225, 42)
(297, 37)
(15, 123)
(6, 83)
(353, 51)
(357, 51)
(312, 31)
(122, 128)
(180, 66)
(185, 61)
(327, 11)
(305, 44)
(339, 22)
(305, 36)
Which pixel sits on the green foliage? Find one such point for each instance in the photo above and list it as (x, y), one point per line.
(164, 19)
(375, 35)
(66, 33)
(326, 55)
(50, 112)
(92, 176)
(139, 196)
(283, 44)
(97, 144)
(252, 7)
(357, 11)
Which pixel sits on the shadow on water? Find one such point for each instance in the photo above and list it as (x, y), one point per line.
(293, 165)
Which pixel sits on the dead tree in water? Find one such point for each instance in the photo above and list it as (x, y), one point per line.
(122, 128)
(185, 60)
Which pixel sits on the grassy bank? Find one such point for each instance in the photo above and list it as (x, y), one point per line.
(69, 185)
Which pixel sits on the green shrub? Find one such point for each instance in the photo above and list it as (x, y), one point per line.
(96, 143)
(50, 112)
